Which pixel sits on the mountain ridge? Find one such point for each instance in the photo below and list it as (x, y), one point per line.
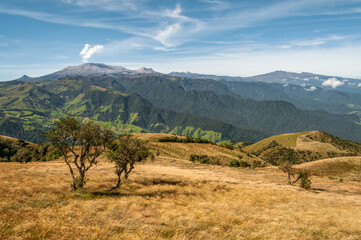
(90, 69)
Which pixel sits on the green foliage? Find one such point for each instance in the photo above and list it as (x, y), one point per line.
(279, 155)
(206, 108)
(244, 164)
(234, 163)
(184, 140)
(23, 155)
(200, 158)
(271, 145)
(125, 152)
(91, 140)
(305, 179)
(228, 146)
(21, 151)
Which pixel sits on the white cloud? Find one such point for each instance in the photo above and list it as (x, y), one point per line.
(333, 82)
(317, 41)
(311, 89)
(110, 5)
(164, 36)
(285, 85)
(177, 28)
(88, 51)
(216, 5)
(303, 85)
(359, 85)
(306, 79)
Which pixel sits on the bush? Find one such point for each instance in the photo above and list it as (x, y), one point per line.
(305, 179)
(244, 164)
(199, 158)
(257, 163)
(228, 146)
(234, 163)
(184, 140)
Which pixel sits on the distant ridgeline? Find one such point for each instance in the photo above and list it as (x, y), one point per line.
(209, 109)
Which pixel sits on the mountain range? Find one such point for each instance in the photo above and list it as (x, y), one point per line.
(307, 80)
(146, 101)
(91, 69)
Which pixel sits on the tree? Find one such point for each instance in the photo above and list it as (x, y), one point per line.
(80, 144)
(302, 175)
(125, 152)
(23, 155)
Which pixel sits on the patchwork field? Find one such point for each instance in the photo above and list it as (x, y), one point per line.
(172, 198)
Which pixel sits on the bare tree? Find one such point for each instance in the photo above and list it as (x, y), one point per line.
(125, 152)
(80, 145)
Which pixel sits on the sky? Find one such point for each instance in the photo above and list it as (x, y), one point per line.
(235, 38)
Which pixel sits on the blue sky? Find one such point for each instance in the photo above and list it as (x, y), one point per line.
(236, 38)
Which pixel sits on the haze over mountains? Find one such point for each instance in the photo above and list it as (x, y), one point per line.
(241, 109)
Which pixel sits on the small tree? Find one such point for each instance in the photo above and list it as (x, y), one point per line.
(302, 175)
(125, 152)
(80, 145)
(287, 167)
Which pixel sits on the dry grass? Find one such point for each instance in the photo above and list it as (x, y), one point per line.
(297, 141)
(304, 143)
(286, 140)
(174, 199)
(345, 168)
(184, 150)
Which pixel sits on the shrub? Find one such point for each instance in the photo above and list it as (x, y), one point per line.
(228, 146)
(257, 163)
(234, 163)
(305, 179)
(184, 140)
(244, 164)
(199, 158)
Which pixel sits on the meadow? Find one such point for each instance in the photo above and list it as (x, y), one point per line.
(172, 198)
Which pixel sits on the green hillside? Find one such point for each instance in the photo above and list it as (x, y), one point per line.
(213, 99)
(28, 109)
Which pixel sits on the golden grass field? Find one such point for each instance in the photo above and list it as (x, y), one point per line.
(172, 198)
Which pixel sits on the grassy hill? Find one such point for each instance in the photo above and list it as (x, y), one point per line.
(302, 147)
(339, 168)
(219, 155)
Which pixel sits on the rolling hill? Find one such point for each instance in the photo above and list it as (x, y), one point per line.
(302, 147)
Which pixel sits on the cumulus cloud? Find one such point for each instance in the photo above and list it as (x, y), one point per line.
(306, 79)
(333, 82)
(89, 50)
(311, 89)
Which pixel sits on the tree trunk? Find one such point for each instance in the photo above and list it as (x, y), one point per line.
(117, 185)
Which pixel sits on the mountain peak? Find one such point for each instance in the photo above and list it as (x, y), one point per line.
(146, 70)
(92, 69)
(24, 77)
